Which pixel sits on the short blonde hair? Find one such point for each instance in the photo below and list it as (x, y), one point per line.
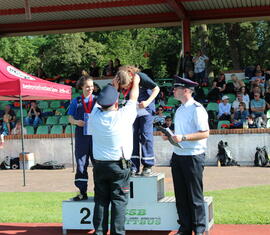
(126, 73)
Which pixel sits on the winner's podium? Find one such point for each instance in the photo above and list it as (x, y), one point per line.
(148, 208)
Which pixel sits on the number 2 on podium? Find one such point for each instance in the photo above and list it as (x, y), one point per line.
(84, 219)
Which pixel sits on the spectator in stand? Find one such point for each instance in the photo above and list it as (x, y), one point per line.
(267, 98)
(245, 95)
(255, 89)
(12, 115)
(17, 129)
(258, 80)
(224, 109)
(257, 106)
(187, 63)
(108, 69)
(5, 129)
(240, 116)
(96, 90)
(33, 115)
(251, 122)
(237, 83)
(159, 118)
(239, 99)
(191, 75)
(117, 65)
(94, 69)
(219, 86)
(199, 67)
(258, 68)
(168, 123)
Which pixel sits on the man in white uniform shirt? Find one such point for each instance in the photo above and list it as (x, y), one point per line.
(187, 163)
(112, 148)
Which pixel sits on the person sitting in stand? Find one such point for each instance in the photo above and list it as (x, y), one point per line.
(258, 80)
(245, 95)
(12, 115)
(224, 109)
(96, 90)
(240, 116)
(251, 122)
(239, 99)
(159, 118)
(5, 129)
(117, 65)
(237, 83)
(33, 115)
(219, 86)
(168, 123)
(257, 106)
(17, 130)
(108, 69)
(94, 69)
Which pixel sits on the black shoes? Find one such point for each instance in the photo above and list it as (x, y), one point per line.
(80, 197)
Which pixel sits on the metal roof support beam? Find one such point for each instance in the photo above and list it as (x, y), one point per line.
(178, 8)
(27, 9)
(186, 41)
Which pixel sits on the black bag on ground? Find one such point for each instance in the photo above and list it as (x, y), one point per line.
(10, 163)
(224, 155)
(261, 157)
(51, 165)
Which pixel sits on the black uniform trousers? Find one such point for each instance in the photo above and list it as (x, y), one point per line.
(187, 173)
(111, 187)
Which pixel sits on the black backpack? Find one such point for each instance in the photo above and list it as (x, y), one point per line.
(261, 157)
(225, 155)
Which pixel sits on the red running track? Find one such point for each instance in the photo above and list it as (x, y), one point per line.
(56, 229)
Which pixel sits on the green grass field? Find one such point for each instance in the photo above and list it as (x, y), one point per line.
(250, 205)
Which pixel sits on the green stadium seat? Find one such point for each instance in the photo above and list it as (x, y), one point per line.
(268, 124)
(18, 113)
(55, 104)
(229, 81)
(68, 129)
(30, 130)
(63, 120)
(212, 106)
(223, 122)
(47, 110)
(60, 111)
(56, 129)
(205, 90)
(52, 120)
(172, 101)
(43, 104)
(268, 114)
(74, 95)
(232, 97)
(42, 130)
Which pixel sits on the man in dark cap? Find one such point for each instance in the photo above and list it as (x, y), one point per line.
(112, 148)
(187, 163)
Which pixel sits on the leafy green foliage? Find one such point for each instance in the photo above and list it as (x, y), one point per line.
(229, 46)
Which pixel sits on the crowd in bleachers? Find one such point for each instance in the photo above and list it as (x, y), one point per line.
(230, 103)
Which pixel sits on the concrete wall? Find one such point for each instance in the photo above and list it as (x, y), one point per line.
(243, 147)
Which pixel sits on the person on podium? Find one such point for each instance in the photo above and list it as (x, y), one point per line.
(111, 128)
(187, 163)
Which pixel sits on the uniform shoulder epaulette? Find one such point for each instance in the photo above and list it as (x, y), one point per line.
(197, 104)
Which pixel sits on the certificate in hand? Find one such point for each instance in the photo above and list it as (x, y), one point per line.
(168, 132)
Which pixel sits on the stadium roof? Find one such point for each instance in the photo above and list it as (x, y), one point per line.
(22, 17)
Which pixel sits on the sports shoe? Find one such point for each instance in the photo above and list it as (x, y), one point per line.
(146, 171)
(80, 197)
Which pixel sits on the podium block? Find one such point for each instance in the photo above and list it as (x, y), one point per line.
(148, 208)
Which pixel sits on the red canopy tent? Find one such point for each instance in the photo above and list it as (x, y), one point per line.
(15, 83)
(18, 85)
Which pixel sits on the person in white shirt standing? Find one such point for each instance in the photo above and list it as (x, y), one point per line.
(199, 68)
(112, 148)
(187, 163)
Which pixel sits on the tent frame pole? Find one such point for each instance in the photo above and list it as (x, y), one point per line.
(22, 137)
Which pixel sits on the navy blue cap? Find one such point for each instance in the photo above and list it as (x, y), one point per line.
(184, 82)
(108, 96)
